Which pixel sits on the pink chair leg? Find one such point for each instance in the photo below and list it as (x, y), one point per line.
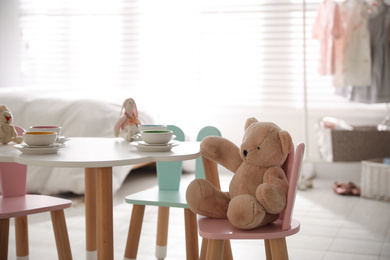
(267, 246)
(4, 235)
(21, 236)
(227, 251)
(215, 249)
(203, 249)
(61, 234)
(279, 249)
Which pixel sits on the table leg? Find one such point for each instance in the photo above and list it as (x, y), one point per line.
(90, 213)
(105, 229)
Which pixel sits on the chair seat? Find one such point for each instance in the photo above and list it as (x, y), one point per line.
(222, 229)
(30, 204)
(161, 198)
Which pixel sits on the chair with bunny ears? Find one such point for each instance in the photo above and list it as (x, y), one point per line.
(218, 232)
(15, 203)
(168, 195)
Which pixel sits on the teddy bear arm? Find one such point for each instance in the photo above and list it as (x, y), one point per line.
(222, 151)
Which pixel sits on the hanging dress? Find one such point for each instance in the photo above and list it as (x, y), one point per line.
(326, 29)
(379, 90)
(353, 55)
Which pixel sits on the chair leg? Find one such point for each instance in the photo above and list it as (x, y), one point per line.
(137, 217)
(162, 232)
(191, 229)
(215, 249)
(61, 235)
(21, 236)
(203, 249)
(227, 251)
(279, 249)
(4, 235)
(267, 246)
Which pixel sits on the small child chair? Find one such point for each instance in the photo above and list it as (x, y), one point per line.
(15, 203)
(168, 195)
(218, 232)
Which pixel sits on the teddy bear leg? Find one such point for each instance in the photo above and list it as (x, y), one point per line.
(245, 212)
(206, 200)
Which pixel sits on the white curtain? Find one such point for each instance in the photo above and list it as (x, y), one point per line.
(238, 52)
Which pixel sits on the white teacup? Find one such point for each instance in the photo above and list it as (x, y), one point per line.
(39, 138)
(46, 128)
(156, 136)
(151, 127)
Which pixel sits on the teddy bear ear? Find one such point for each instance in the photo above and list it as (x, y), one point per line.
(286, 141)
(4, 108)
(250, 121)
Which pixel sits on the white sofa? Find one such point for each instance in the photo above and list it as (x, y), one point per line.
(80, 114)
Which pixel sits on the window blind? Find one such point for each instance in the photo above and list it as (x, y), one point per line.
(235, 52)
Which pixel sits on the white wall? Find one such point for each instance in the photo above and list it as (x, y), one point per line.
(9, 42)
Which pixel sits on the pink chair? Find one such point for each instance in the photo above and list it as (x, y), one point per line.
(15, 203)
(216, 233)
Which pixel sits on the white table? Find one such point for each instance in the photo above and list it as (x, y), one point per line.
(98, 156)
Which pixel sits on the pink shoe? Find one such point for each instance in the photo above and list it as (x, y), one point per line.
(355, 190)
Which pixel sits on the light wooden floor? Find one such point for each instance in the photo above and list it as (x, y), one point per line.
(333, 227)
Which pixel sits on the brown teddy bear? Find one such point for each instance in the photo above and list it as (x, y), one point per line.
(258, 190)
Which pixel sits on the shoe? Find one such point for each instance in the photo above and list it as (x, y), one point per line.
(341, 188)
(355, 190)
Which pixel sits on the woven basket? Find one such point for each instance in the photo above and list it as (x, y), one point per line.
(375, 179)
(363, 143)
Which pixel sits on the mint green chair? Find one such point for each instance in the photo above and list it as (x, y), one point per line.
(205, 131)
(168, 195)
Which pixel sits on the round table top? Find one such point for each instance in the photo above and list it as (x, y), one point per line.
(96, 152)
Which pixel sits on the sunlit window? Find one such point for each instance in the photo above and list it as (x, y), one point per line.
(236, 52)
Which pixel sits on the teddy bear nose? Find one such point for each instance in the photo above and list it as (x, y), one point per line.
(245, 153)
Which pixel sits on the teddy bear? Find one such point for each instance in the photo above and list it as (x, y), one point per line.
(7, 130)
(127, 125)
(258, 189)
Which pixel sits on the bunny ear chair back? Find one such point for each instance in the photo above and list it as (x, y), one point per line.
(169, 195)
(15, 203)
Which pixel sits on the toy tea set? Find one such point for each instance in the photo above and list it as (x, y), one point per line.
(146, 138)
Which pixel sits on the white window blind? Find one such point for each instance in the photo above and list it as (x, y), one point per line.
(234, 52)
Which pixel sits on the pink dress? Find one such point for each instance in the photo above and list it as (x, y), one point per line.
(326, 29)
